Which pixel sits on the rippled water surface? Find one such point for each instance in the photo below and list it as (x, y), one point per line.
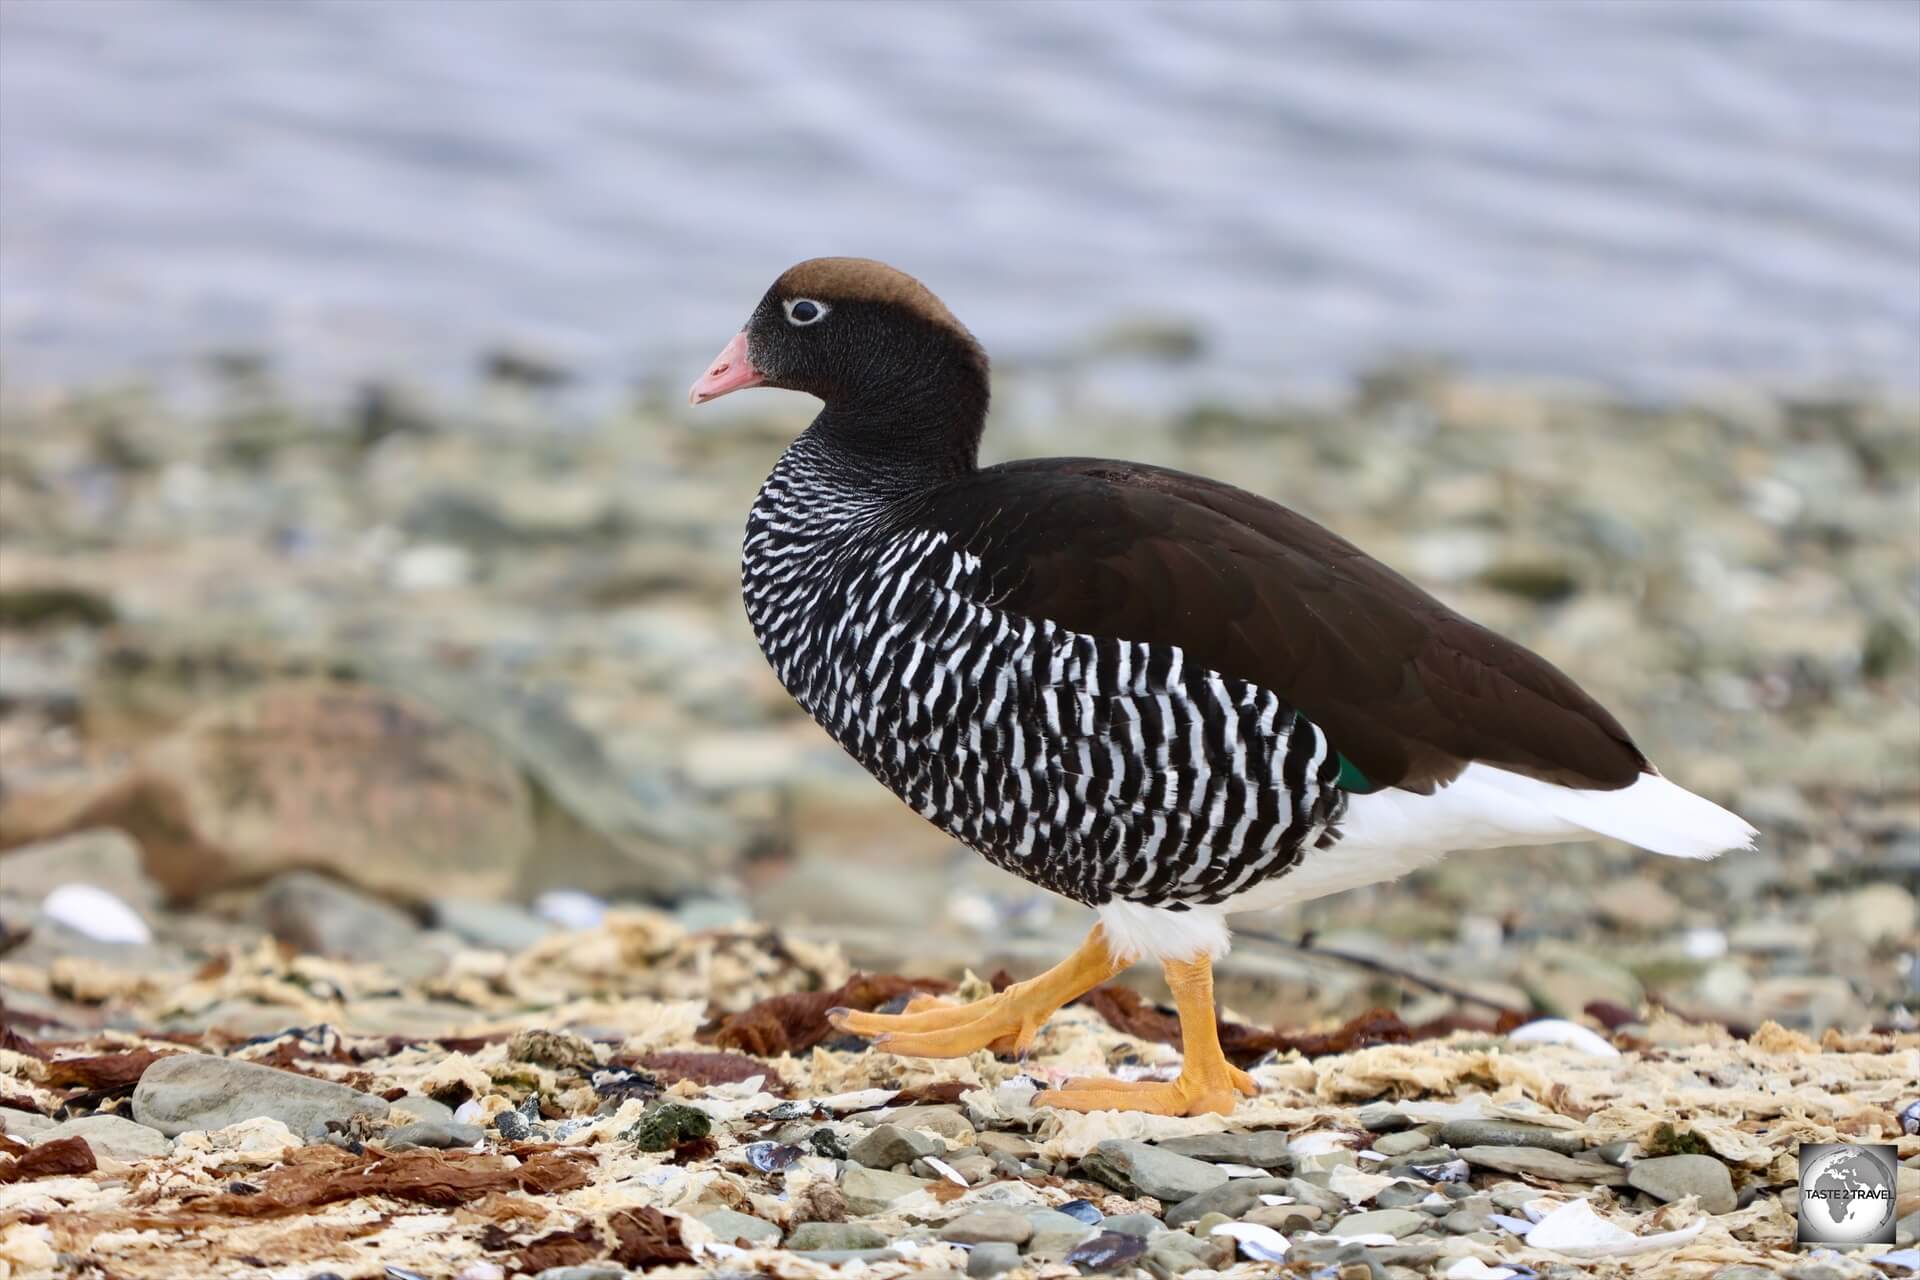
(1649, 194)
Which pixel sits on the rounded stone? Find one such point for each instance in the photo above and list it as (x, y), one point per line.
(1670, 1178)
(992, 1258)
(835, 1235)
(730, 1225)
(988, 1227)
(198, 1091)
(1392, 1222)
(110, 1137)
(1127, 1165)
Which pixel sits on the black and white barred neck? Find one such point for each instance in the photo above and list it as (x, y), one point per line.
(1099, 768)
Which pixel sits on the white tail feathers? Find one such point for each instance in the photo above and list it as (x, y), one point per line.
(1652, 813)
(1388, 833)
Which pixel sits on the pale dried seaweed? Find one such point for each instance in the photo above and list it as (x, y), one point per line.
(588, 1194)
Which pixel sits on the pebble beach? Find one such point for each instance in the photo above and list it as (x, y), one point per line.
(408, 866)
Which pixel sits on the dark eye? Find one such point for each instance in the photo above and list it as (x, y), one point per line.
(804, 311)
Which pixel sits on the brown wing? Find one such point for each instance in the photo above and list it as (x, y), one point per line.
(1406, 689)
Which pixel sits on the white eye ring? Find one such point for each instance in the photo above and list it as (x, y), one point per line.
(820, 310)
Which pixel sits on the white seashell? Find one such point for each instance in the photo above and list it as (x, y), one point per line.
(1577, 1231)
(570, 908)
(1318, 1143)
(89, 909)
(1703, 944)
(1560, 1031)
(947, 1171)
(1263, 1244)
(1474, 1269)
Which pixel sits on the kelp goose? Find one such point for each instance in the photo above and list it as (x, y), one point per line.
(1153, 693)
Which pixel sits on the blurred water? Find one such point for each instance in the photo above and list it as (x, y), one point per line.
(1647, 194)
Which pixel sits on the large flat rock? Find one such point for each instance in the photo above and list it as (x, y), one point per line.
(199, 1091)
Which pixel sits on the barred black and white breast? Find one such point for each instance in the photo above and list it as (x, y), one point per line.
(1099, 767)
(1151, 692)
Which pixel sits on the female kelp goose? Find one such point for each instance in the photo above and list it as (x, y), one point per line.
(1153, 693)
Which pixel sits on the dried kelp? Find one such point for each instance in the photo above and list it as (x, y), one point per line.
(797, 1022)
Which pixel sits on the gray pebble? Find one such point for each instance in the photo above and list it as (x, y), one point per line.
(20, 1124)
(1327, 1202)
(1820, 1269)
(501, 926)
(413, 1109)
(1512, 1199)
(1510, 1133)
(988, 1227)
(199, 1091)
(1401, 1197)
(1055, 1244)
(1550, 1166)
(1230, 1198)
(1380, 1117)
(1008, 1144)
(1262, 1148)
(974, 1168)
(1285, 1218)
(1414, 1253)
(319, 914)
(731, 1225)
(1139, 1167)
(110, 1137)
(944, 1119)
(434, 1134)
(991, 1259)
(834, 1236)
(1669, 1178)
(1177, 1252)
(834, 1257)
(876, 1190)
(1052, 1221)
(1327, 1251)
(1403, 1143)
(888, 1145)
(1431, 1154)
(1393, 1222)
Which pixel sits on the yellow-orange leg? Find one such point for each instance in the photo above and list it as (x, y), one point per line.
(1005, 1022)
(1207, 1081)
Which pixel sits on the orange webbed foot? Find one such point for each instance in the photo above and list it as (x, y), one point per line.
(1207, 1084)
(1005, 1022)
(943, 1030)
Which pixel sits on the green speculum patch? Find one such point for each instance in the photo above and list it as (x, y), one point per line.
(1351, 779)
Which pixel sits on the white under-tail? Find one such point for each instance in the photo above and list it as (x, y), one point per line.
(1652, 813)
(1389, 833)
(1487, 808)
